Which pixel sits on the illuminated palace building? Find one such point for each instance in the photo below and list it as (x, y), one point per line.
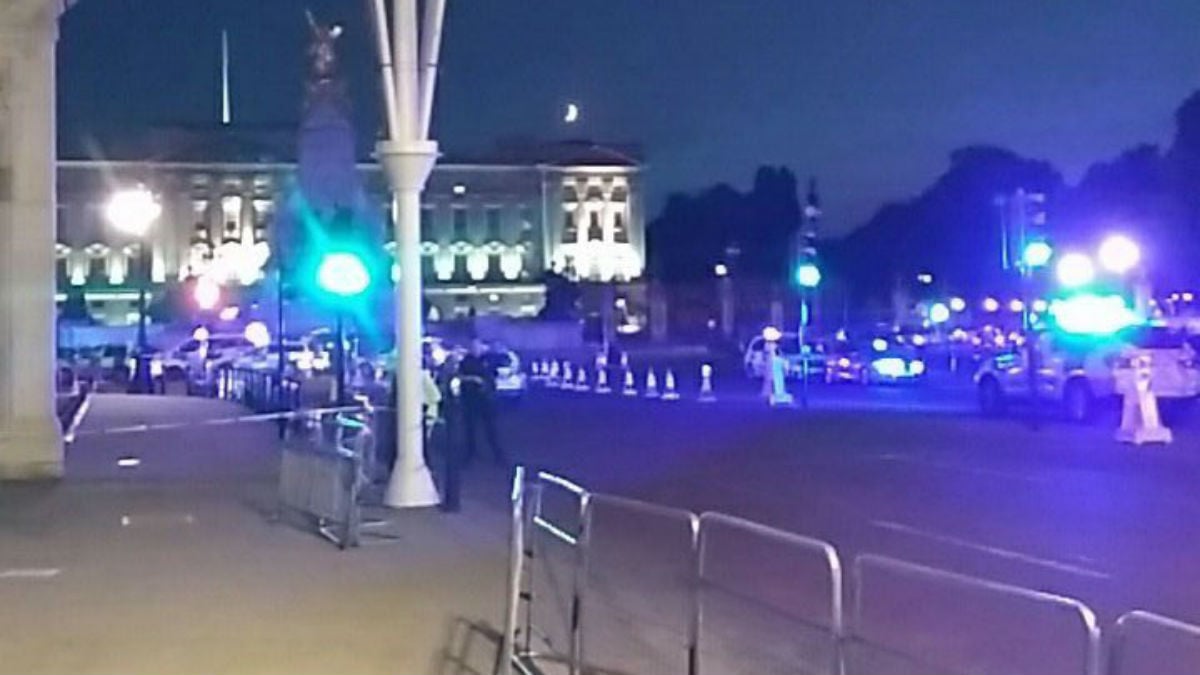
(491, 227)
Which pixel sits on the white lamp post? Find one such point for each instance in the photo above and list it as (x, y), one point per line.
(132, 212)
(409, 80)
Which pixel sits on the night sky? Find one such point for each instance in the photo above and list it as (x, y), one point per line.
(868, 95)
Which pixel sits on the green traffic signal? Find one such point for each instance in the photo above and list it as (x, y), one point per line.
(343, 274)
(808, 275)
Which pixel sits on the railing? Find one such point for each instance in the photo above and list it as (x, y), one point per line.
(323, 472)
(1143, 643)
(603, 584)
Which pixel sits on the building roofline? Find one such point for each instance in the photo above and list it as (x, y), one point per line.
(370, 166)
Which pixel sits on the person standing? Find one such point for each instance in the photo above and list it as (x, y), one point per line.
(477, 378)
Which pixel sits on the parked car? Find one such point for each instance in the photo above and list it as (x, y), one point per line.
(868, 365)
(754, 360)
(1079, 376)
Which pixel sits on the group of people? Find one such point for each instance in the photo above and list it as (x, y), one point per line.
(460, 407)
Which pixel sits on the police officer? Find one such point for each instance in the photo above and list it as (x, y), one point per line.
(477, 378)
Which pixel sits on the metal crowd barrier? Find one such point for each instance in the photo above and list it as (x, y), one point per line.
(914, 619)
(323, 473)
(260, 391)
(1143, 643)
(770, 601)
(607, 585)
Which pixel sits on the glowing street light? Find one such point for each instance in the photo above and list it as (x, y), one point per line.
(958, 305)
(1119, 254)
(1037, 254)
(207, 293)
(1075, 270)
(721, 270)
(1016, 305)
(132, 212)
(939, 313)
(991, 305)
(258, 334)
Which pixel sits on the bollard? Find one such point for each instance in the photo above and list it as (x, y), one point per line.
(568, 376)
(651, 384)
(552, 375)
(775, 378)
(602, 380)
(706, 389)
(669, 392)
(535, 371)
(630, 388)
(581, 383)
(1140, 421)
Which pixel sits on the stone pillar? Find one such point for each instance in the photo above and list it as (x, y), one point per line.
(30, 440)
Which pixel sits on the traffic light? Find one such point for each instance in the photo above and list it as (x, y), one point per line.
(343, 273)
(341, 264)
(808, 275)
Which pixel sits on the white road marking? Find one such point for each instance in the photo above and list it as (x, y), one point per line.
(30, 573)
(991, 550)
(950, 466)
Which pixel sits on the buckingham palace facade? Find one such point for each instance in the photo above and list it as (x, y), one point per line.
(491, 227)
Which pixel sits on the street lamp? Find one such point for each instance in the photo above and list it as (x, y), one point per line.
(132, 212)
(1075, 270)
(1119, 254)
(958, 304)
(939, 313)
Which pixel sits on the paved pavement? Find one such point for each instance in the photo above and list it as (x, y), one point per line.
(176, 567)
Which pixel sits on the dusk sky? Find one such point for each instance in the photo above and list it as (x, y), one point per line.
(870, 96)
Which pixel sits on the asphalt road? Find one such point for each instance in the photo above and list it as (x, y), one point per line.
(910, 473)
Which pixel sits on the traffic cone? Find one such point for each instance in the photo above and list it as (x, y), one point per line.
(581, 379)
(706, 389)
(630, 388)
(669, 393)
(651, 384)
(552, 376)
(602, 380)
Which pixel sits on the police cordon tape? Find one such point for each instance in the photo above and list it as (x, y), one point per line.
(72, 435)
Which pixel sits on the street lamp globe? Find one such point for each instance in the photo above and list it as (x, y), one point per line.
(939, 313)
(1036, 254)
(1075, 270)
(991, 305)
(958, 304)
(133, 211)
(1119, 254)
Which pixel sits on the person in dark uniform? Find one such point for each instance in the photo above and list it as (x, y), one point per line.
(477, 379)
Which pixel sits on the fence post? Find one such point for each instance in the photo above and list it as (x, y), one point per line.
(516, 559)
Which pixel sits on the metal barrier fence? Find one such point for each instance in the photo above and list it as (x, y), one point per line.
(258, 390)
(769, 601)
(608, 585)
(324, 468)
(910, 619)
(1143, 643)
